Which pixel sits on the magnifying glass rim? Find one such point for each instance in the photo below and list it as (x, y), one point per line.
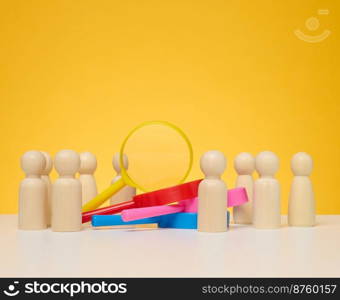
(128, 180)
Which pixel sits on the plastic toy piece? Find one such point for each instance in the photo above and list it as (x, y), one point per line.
(169, 195)
(104, 195)
(116, 220)
(236, 197)
(136, 226)
(147, 212)
(177, 220)
(109, 210)
(182, 221)
(161, 197)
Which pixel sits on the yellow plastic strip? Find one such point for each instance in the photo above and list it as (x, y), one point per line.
(104, 195)
(136, 226)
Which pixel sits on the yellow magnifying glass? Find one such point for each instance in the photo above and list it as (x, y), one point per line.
(160, 155)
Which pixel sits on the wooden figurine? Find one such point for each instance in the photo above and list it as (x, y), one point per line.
(33, 193)
(301, 210)
(244, 165)
(46, 178)
(127, 192)
(88, 165)
(212, 194)
(66, 193)
(266, 202)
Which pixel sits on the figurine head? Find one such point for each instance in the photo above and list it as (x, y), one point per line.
(213, 163)
(267, 163)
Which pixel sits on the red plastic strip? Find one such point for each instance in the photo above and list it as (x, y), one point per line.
(160, 197)
(168, 195)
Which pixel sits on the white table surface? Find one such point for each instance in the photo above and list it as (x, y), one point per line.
(241, 252)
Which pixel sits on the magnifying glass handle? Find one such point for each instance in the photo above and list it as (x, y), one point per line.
(104, 195)
(109, 210)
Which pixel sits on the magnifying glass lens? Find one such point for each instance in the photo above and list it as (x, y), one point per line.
(159, 156)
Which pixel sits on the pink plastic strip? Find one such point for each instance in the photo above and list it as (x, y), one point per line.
(236, 197)
(152, 211)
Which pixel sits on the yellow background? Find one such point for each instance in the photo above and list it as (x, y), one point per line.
(232, 74)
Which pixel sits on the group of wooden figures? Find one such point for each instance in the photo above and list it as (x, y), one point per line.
(43, 204)
(263, 209)
(59, 205)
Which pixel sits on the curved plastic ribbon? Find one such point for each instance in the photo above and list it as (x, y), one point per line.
(236, 197)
